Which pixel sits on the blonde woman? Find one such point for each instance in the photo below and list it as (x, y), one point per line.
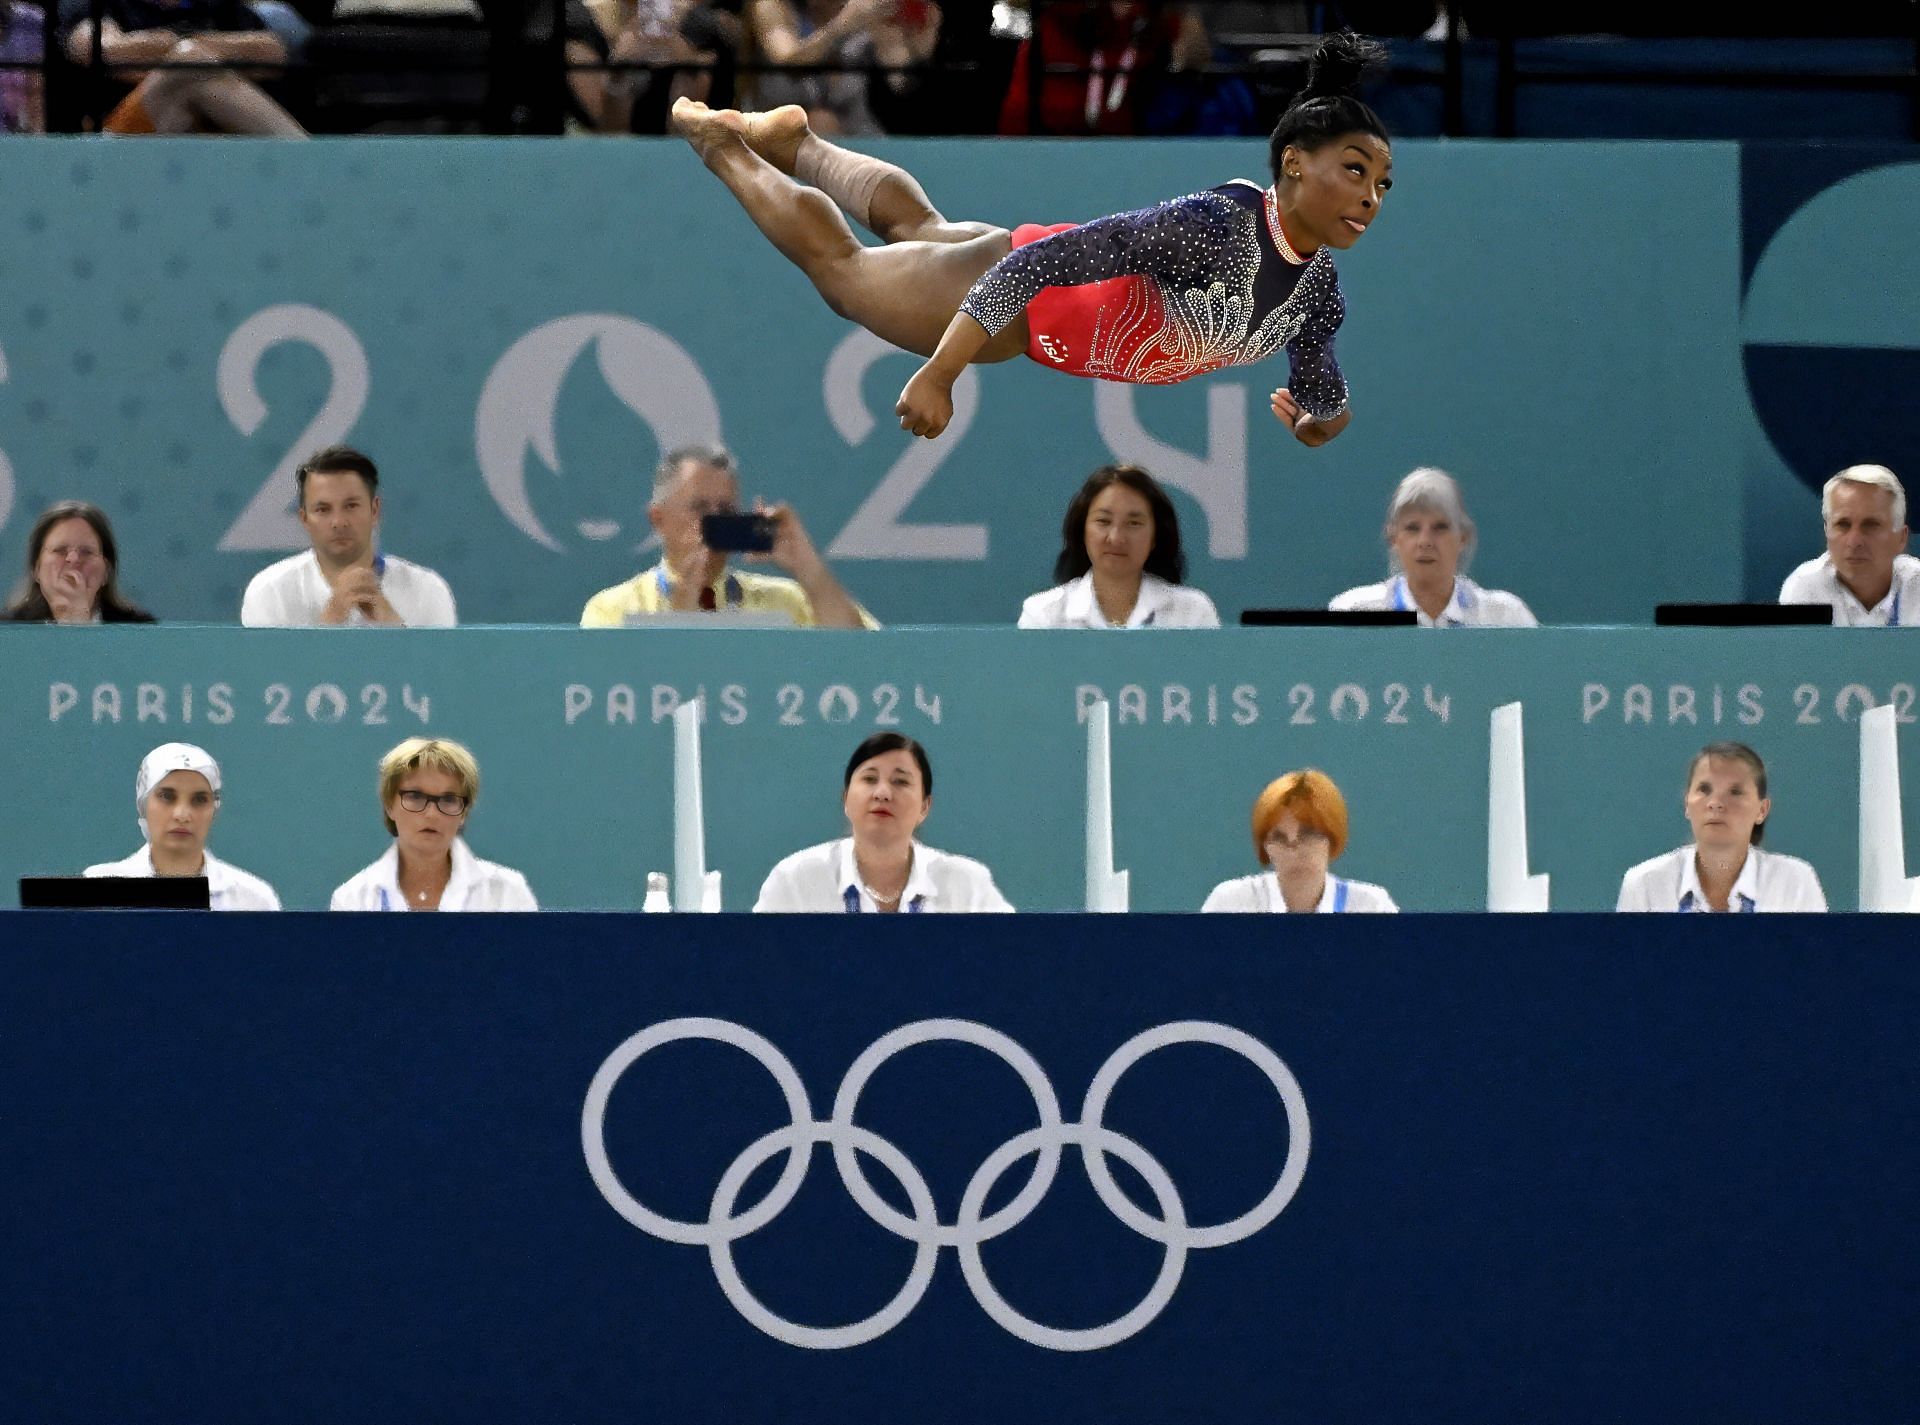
(428, 787)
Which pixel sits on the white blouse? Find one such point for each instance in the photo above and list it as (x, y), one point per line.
(1159, 605)
(823, 879)
(1767, 882)
(1470, 607)
(228, 887)
(1260, 894)
(474, 885)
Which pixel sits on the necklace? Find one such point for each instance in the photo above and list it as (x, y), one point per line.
(1279, 233)
(879, 899)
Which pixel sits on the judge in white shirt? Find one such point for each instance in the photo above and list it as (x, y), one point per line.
(176, 796)
(886, 795)
(428, 786)
(1866, 576)
(1724, 868)
(344, 578)
(1430, 542)
(1120, 563)
(1299, 830)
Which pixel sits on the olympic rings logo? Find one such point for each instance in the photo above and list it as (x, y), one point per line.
(970, 1230)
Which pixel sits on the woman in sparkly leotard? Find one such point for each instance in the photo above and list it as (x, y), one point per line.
(1218, 278)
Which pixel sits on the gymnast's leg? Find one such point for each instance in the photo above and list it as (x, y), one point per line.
(904, 293)
(882, 197)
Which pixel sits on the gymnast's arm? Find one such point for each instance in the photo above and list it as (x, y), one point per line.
(1314, 400)
(1169, 242)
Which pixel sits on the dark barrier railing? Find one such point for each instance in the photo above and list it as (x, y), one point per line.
(524, 67)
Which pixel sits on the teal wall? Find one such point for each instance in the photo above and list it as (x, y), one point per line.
(515, 329)
(575, 741)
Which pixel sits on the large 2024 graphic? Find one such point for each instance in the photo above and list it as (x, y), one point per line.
(664, 387)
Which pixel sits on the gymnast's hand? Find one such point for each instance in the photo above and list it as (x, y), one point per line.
(1307, 429)
(926, 405)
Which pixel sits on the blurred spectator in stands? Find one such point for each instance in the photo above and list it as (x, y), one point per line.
(1430, 542)
(882, 867)
(428, 786)
(1723, 868)
(176, 796)
(1121, 51)
(22, 28)
(149, 38)
(704, 37)
(344, 578)
(1299, 828)
(1865, 575)
(690, 484)
(1120, 563)
(857, 34)
(73, 568)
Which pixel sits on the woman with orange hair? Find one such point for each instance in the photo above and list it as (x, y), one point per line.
(1299, 827)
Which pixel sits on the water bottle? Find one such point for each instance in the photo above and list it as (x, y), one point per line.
(656, 892)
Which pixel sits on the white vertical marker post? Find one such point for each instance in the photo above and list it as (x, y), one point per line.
(1509, 887)
(694, 887)
(1106, 887)
(1883, 849)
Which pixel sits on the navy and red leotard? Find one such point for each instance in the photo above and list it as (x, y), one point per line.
(1170, 292)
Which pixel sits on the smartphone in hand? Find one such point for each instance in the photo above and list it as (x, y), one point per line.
(737, 534)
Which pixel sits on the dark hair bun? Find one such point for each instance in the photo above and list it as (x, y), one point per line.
(1338, 65)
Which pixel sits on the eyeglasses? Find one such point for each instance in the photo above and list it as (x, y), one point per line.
(450, 803)
(1300, 842)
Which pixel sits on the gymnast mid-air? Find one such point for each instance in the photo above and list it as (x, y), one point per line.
(1224, 277)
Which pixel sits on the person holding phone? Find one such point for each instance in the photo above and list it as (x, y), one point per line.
(696, 510)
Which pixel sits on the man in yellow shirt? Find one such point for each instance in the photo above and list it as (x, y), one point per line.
(690, 484)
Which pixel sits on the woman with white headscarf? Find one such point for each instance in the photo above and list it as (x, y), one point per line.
(176, 796)
(1430, 541)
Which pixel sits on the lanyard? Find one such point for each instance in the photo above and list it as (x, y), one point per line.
(850, 898)
(1339, 895)
(736, 596)
(1398, 590)
(1746, 906)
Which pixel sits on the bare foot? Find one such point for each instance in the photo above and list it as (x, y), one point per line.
(777, 134)
(707, 129)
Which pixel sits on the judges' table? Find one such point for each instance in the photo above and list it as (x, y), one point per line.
(573, 730)
(514, 1167)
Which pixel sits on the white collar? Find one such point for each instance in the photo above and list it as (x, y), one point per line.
(919, 887)
(460, 883)
(1887, 608)
(1332, 895)
(212, 870)
(1746, 886)
(1082, 607)
(1464, 598)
